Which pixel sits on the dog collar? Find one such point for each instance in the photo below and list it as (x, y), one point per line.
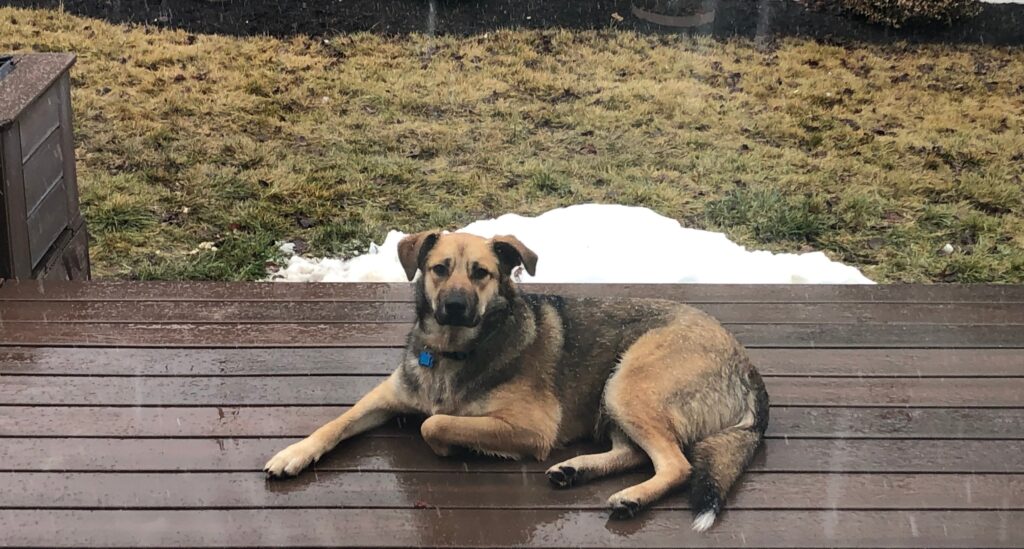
(427, 357)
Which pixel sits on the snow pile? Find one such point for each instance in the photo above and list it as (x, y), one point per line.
(601, 243)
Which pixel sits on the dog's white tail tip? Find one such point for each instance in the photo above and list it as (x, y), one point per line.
(704, 521)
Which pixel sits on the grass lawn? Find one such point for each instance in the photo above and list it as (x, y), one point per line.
(877, 155)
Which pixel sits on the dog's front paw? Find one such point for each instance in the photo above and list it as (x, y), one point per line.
(440, 448)
(433, 430)
(290, 461)
(623, 507)
(562, 476)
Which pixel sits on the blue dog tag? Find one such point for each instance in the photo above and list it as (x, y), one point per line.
(426, 359)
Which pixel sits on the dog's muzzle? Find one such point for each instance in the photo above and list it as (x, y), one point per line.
(456, 309)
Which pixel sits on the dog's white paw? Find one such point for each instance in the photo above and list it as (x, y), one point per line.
(704, 521)
(293, 459)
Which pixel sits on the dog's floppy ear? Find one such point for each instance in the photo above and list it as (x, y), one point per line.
(511, 252)
(413, 250)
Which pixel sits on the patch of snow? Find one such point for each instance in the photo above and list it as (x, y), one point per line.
(287, 248)
(600, 244)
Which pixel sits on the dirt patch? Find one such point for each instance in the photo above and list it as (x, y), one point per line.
(997, 24)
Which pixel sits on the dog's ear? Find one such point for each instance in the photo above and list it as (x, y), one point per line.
(511, 253)
(413, 250)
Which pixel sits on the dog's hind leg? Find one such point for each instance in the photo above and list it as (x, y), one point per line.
(671, 468)
(623, 456)
(637, 400)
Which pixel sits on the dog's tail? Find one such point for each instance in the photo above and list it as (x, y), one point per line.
(720, 459)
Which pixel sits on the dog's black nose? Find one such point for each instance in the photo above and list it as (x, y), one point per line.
(455, 307)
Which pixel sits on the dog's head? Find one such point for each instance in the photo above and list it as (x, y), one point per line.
(463, 273)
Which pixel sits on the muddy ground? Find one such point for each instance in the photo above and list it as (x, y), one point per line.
(997, 24)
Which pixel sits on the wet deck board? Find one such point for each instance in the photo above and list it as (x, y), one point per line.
(377, 489)
(344, 391)
(140, 414)
(296, 421)
(125, 361)
(410, 454)
(241, 334)
(506, 528)
(691, 293)
(359, 312)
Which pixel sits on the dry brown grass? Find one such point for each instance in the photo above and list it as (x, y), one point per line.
(877, 155)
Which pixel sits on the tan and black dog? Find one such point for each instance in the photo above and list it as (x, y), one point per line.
(514, 375)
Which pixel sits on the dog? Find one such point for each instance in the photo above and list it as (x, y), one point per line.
(510, 374)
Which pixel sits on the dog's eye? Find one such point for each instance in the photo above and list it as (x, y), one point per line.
(480, 273)
(440, 270)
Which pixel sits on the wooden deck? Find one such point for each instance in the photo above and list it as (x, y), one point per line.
(140, 414)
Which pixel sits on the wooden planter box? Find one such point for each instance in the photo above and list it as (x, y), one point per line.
(42, 233)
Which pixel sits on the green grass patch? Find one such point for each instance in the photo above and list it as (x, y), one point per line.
(770, 215)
